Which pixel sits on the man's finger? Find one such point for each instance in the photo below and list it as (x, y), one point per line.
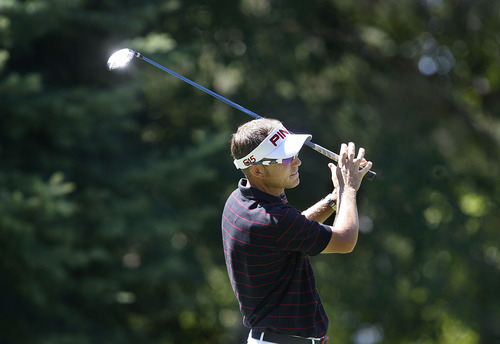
(351, 151)
(361, 154)
(366, 168)
(342, 155)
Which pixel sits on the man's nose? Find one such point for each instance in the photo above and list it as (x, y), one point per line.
(297, 161)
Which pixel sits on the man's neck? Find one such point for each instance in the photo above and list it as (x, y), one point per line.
(264, 188)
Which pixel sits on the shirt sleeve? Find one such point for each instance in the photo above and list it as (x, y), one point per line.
(295, 232)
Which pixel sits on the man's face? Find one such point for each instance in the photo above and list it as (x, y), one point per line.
(278, 177)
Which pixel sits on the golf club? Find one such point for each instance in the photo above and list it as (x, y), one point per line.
(122, 57)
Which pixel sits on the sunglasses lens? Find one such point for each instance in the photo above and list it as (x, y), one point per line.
(288, 161)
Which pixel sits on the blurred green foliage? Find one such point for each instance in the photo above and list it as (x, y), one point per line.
(112, 183)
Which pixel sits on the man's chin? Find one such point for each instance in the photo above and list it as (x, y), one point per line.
(294, 180)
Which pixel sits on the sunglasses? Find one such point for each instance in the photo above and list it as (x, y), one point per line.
(285, 162)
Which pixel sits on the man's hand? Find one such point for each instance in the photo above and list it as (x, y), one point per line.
(348, 173)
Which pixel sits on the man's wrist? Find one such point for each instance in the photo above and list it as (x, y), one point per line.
(348, 190)
(331, 200)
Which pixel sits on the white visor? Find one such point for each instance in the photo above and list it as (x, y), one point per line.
(280, 144)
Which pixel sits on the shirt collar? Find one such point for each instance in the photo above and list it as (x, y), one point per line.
(256, 194)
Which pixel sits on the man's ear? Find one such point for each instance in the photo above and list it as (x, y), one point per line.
(256, 171)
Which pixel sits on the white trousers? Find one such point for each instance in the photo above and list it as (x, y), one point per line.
(260, 341)
(257, 341)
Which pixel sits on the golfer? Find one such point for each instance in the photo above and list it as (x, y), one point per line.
(267, 242)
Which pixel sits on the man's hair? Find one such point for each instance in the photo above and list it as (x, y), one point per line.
(250, 135)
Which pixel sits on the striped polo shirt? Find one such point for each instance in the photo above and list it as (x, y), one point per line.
(266, 246)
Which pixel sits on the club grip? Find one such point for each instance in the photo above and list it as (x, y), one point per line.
(371, 175)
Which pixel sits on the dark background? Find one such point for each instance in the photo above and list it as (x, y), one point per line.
(112, 183)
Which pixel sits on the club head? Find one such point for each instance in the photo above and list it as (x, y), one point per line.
(121, 58)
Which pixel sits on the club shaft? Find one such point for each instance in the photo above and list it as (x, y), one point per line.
(198, 86)
(326, 152)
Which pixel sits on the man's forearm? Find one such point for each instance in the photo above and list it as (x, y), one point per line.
(320, 211)
(347, 219)
(346, 224)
